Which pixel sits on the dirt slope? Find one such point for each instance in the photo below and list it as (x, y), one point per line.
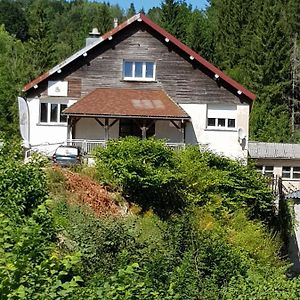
(85, 190)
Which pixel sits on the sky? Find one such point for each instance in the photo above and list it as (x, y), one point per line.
(146, 4)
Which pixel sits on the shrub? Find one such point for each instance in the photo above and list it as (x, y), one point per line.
(145, 170)
(225, 185)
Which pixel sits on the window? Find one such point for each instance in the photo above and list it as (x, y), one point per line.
(266, 170)
(52, 113)
(139, 70)
(291, 172)
(221, 116)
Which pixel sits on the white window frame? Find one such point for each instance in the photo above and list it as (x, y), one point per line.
(49, 113)
(264, 171)
(292, 172)
(221, 111)
(143, 78)
(216, 126)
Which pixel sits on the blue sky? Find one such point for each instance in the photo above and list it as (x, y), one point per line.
(146, 4)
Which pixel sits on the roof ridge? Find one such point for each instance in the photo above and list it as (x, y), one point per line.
(140, 17)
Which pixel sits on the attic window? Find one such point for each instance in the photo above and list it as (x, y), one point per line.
(138, 70)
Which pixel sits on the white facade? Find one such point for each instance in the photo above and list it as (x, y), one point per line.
(223, 138)
(46, 136)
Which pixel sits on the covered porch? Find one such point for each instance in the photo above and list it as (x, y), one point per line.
(109, 113)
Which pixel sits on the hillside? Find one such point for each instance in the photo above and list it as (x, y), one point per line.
(144, 223)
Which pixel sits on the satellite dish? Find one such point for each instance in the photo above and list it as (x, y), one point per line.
(241, 135)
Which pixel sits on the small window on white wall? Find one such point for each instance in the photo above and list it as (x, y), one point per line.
(52, 113)
(266, 170)
(221, 116)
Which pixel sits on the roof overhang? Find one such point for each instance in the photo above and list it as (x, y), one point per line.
(217, 73)
(127, 103)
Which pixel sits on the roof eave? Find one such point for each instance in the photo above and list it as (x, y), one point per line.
(90, 115)
(141, 17)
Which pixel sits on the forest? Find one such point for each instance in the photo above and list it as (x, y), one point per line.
(148, 222)
(255, 42)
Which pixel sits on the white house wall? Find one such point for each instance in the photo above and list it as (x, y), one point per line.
(42, 133)
(222, 141)
(166, 130)
(89, 128)
(291, 184)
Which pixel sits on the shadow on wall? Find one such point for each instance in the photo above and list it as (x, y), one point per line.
(190, 135)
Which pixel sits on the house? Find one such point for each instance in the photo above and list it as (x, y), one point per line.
(278, 160)
(138, 80)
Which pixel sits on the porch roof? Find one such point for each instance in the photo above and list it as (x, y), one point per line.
(124, 103)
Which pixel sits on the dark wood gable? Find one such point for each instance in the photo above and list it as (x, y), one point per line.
(183, 78)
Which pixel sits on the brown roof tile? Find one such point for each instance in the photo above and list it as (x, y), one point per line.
(118, 102)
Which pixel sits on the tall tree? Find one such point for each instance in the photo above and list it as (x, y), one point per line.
(175, 18)
(14, 19)
(131, 10)
(14, 71)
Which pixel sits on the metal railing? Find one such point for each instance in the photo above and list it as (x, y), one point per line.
(87, 145)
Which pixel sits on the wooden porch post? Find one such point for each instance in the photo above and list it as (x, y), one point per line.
(182, 128)
(69, 129)
(106, 129)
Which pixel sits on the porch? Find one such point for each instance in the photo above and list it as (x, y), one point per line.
(89, 145)
(108, 113)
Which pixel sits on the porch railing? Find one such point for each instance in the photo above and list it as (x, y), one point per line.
(89, 145)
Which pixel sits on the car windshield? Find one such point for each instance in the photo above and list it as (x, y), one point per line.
(65, 151)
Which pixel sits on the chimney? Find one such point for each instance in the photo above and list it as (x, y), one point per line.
(116, 22)
(93, 36)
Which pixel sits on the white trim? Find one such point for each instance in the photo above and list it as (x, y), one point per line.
(49, 122)
(143, 77)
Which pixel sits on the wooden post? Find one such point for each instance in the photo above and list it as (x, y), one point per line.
(106, 129)
(182, 128)
(69, 129)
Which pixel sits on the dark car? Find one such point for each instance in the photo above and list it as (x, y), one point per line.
(66, 156)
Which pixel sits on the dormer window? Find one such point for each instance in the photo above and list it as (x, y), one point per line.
(138, 70)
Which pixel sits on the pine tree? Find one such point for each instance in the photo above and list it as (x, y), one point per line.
(131, 11)
(175, 18)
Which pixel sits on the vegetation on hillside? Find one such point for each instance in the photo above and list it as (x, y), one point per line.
(214, 241)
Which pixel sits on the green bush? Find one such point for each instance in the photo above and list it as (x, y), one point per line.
(224, 185)
(22, 186)
(144, 169)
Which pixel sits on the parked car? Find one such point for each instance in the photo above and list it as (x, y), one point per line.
(66, 156)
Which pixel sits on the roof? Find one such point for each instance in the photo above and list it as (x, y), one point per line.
(168, 37)
(274, 150)
(119, 102)
(293, 195)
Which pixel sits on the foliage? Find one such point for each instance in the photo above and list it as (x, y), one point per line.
(144, 170)
(153, 176)
(22, 186)
(30, 267)
(224, 184)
